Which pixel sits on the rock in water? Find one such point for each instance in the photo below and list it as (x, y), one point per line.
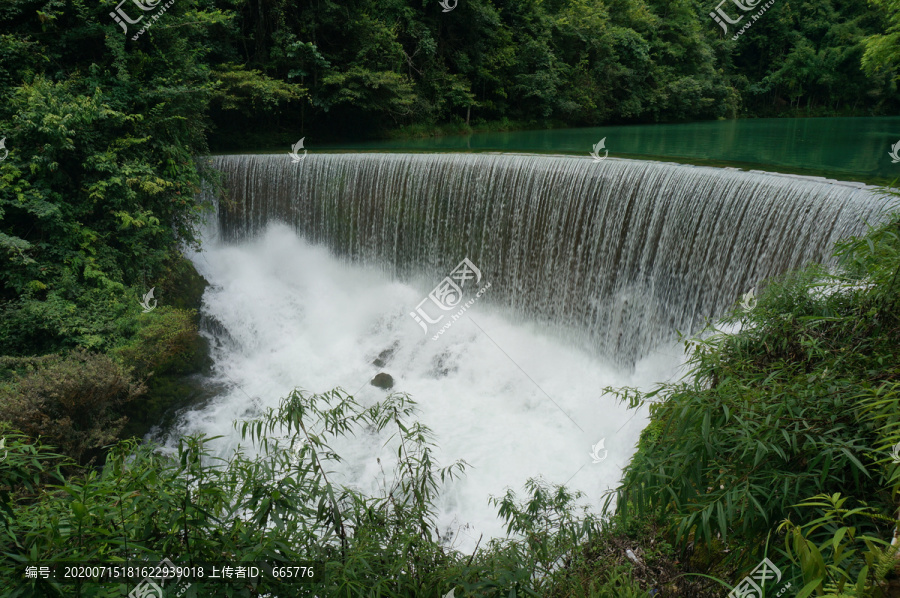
(385, 356)
(383, 380)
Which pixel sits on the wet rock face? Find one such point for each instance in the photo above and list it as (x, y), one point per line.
(382, 380)
(385, 356)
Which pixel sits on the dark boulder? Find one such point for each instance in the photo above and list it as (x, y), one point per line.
(382, 380)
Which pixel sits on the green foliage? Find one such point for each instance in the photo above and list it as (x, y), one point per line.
(882, 50)
(806, 58)
(382, 92)
(383, 542)
(180, 285)
(97, 190)
(26, 467)
(251, 92)
(772, 415)
(63, 319)
(164, 339)
(848, 562)
(578, 62)
(550, 522)
(74, 402)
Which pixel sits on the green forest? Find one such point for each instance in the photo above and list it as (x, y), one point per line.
(106, 127)
(245, 72)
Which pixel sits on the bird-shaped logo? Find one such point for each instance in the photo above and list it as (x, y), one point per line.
(295, 455)
(146, 302)
(3, 147)
(294, 149)
(895, 153)
(601, 145)
(445, 4)
(595, 451)
(895, 453)
(748, 300)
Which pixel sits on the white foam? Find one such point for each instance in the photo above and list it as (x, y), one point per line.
(511, 401)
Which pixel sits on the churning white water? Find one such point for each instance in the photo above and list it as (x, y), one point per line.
(507, 399)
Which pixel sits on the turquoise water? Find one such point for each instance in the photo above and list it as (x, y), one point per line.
(843, 148)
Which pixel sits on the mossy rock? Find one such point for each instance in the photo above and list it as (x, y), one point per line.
(180, 285)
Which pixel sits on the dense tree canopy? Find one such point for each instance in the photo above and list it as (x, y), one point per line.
(361, 67)
(368, 65)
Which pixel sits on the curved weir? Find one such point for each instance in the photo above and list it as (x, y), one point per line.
(616, 256)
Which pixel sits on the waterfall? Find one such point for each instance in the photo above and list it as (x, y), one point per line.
(616, 256)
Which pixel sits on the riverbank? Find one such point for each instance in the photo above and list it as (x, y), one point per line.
(81, 400)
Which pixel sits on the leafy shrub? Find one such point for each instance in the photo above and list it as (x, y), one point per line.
(280, 506)
(772, 415)
(849, 562)
(73, 402)
(163, 339)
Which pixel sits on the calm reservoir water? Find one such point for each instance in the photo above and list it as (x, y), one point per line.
(842, 148)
